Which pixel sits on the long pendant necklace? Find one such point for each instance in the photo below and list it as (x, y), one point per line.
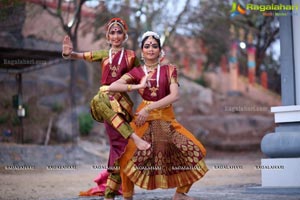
(153, 89)
(114, 69)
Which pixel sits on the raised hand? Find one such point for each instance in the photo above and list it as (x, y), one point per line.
(143, 82)
(67, 46)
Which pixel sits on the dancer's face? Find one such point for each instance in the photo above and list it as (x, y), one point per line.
(116, 36)
(151, 49)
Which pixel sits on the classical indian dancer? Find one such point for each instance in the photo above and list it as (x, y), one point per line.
(175, 157)
(114, 109)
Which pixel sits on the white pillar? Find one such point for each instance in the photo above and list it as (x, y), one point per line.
(283, 146)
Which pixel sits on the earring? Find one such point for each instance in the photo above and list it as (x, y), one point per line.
(161, 56)
(142, 56)
(126, 38)
(107, 39)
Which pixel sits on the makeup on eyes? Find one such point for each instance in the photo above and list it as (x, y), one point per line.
(147, 46)
(119, 32)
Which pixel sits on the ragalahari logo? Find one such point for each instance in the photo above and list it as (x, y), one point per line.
(237, 9)
(265, 9)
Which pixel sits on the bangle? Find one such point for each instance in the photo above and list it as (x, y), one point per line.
(147, 108)
(66, 56)
(104, 89)
(128, 87)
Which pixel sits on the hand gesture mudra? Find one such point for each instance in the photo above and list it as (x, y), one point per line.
(143, 82)
(67, 46)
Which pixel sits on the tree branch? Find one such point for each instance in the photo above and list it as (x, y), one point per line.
(173, 27)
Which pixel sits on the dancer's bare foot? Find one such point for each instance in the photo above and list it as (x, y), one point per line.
(139, 142)
(108, 198)
(182, 196)
(127, 198)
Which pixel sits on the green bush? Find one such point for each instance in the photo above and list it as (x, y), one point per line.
(85, 123)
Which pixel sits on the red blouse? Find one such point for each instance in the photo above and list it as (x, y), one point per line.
(128, 62)
(168, 75)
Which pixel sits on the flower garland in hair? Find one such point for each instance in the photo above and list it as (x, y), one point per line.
(150, 33)
(120, 22)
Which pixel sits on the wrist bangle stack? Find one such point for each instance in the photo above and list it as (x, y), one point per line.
(147, 109)
(104, 89)
(128, 87)
(66, 56)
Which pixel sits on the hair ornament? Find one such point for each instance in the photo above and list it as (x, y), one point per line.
(150, 33)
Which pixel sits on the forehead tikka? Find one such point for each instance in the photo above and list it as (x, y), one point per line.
(150, 40)
(116, 23)
(115, 29)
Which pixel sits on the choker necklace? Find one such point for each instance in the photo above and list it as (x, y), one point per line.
(153, 89)
(115, 50)
(114, 69)
(151, 66)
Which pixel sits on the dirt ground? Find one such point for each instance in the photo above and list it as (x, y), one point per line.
(234, 168)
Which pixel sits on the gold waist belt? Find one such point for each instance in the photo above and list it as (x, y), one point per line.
(165, 113)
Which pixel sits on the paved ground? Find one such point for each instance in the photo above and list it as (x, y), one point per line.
(232, 176)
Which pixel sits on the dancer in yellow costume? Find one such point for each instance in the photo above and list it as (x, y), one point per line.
(176, 157)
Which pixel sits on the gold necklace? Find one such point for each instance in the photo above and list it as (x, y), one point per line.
(151, 66)
(115, 69)
(115, 50)
(153, 89)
